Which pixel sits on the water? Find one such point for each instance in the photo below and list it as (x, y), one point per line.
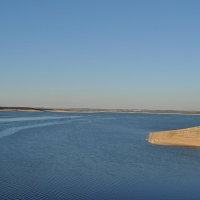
(94, 156)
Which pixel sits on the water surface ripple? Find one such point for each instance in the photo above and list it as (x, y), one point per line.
(94, 156)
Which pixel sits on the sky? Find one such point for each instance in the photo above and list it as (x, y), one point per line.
(125, 54)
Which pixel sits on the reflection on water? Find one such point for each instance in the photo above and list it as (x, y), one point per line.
(13, 130)
(94, 156)
(21, 119)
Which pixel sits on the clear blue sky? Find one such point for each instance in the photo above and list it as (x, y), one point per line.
(100, 54)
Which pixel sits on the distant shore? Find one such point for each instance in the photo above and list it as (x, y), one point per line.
(181, 137)
(83, 110)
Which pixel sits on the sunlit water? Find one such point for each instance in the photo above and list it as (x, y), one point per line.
(94, 156)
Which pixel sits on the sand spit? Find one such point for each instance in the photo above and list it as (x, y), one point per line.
(181, 137)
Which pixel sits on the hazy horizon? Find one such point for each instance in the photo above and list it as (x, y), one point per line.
(100, 54)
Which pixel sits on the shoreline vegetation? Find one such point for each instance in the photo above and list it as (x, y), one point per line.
(88, 110)
(182, 137)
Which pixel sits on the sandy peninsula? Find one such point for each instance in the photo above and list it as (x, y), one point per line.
(181, 137)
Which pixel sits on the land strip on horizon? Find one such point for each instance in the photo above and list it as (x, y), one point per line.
(88, 110)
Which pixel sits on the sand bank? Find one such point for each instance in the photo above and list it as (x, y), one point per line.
(181, 137)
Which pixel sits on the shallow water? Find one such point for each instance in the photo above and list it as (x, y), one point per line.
(94, 156)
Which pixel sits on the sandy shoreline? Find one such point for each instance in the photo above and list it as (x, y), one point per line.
(181, 137)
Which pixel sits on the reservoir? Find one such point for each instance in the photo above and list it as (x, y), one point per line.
(46, 155)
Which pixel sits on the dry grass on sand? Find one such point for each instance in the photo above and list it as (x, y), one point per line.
(182, 137)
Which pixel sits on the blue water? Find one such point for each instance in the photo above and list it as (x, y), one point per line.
(94, 156)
